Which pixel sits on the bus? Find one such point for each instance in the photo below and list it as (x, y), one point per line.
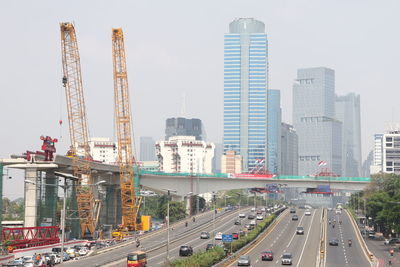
(137, 259)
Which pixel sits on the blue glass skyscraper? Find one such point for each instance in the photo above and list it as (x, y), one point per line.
(245, 90)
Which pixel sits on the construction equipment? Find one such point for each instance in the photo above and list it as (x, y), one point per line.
(80, 153)
(130, 203)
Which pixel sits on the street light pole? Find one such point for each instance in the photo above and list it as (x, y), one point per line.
(168, 194)
(214, 200)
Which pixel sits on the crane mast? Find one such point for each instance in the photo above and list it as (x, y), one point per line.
(129, 201)
(78, 129)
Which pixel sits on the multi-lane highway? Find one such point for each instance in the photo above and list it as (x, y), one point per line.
(343, 254)
(284, 239)
(224, 224)
(155, 243)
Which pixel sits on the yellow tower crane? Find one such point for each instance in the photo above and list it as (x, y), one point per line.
(78, 129)
(129, 201)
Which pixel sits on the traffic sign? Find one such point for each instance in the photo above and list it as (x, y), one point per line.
(227, 238)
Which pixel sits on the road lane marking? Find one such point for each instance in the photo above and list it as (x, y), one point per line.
(295, 231)
(308, 234)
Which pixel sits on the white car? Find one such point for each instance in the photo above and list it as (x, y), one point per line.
(253, 222)
(260, 217)
(57, 258)
(308, 213)
(253, 209)
(242, 215)
(83, 251)
(338, 211)
(218, 236)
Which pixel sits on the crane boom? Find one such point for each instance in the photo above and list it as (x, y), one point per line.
(72, 81)
(129, 201)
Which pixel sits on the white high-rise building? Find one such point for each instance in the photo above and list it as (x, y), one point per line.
(387, 153)
(103, 149)
(185, 154)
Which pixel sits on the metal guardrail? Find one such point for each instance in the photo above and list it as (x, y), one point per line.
(285, 177)
(322, 252)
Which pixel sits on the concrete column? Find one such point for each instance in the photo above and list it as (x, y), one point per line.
(30, 198)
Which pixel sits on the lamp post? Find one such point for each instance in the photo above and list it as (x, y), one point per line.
(214, 197)
(226, 198)
(169, 193)
(63, 211)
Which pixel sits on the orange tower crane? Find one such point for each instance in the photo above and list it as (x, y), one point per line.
(78, 129)
(129, 201)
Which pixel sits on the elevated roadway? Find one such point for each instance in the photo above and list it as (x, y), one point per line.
(343, 255)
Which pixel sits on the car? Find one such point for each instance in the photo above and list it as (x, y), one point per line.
(295, 218)
(253, 222)
(185, 250)
(205, 235)
(337, 211)
(259, 212)
(334, 242)
(292, 210)
(371, 234)
(300, 230)
(251, 217)
(329, 209)
(72, 253)
(237, 222)
(242, 215)
(391, 241)
(209, 246)
(286, 259)
(267, 255)
(218, 236)
(253, 209)
(57, 258)
(263, 209)
(244, 260)
(235, 236)
(260, 217)
(308, 213)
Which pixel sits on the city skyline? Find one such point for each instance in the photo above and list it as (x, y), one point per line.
(296, 41)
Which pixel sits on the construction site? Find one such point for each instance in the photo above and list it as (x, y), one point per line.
(99, 198)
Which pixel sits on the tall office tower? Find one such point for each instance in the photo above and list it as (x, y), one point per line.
(147, 148)
(183, 127)
(274, 131)
(366, 164)
(347, 109)
(289, 150)
(245, 90)
(320, 135)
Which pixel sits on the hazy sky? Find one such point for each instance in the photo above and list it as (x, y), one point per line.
(176, 47)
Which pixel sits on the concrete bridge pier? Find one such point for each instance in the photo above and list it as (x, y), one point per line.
(31, 197)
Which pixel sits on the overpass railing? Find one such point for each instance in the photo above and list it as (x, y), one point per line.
(276, 177)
